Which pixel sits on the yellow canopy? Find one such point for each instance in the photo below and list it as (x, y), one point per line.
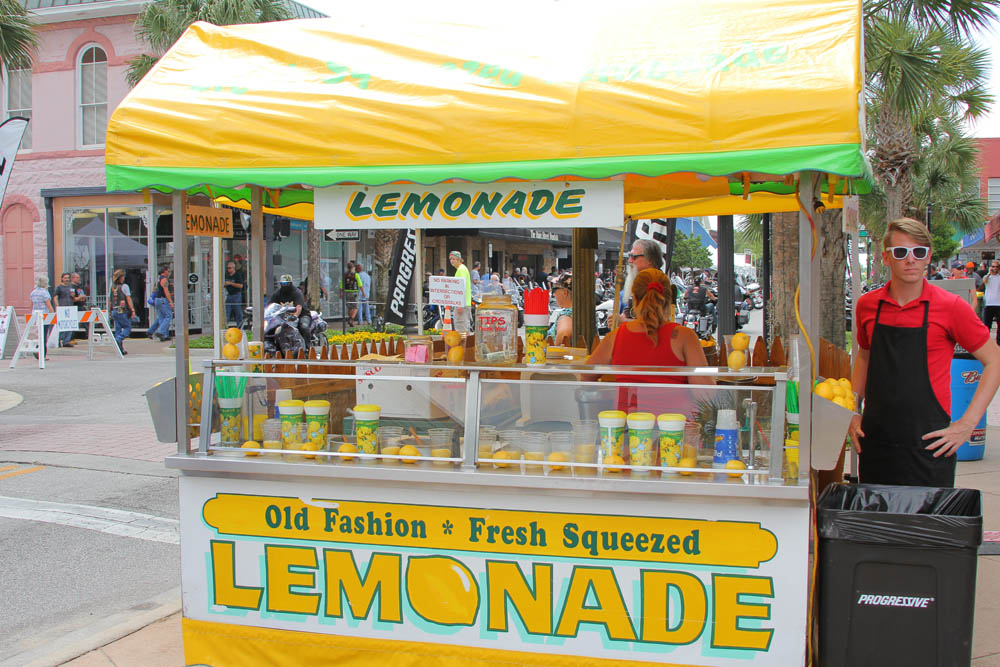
(649, 91)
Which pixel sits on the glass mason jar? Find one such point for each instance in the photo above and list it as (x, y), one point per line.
(496, 330)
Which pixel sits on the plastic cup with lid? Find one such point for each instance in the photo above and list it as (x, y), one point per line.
(612, 428)
(671, 425)
(641, 451)
(366, 422)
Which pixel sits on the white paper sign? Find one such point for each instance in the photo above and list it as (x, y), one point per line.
(4, 320)
(67, 318)
(533, 204)
(446, 291)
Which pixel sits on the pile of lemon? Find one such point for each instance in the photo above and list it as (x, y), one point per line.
(839, 391)
(738, 357)
(455, 343)
(231, 350)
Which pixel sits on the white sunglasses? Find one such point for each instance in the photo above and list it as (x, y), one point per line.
(900, 252)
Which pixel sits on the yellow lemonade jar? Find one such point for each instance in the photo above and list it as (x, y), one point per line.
(290, 412)
(671, 425)
(612, 426)
(317, 422)
(640, 440)
(366, 418)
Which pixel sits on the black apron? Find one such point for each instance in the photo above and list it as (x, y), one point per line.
(900, 407)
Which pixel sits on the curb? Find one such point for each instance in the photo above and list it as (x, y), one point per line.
(61, 648)
(9, 399)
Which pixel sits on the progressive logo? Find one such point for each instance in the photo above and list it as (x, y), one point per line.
(894, 601)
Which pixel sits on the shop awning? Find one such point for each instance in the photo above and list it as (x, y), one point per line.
(654, 93)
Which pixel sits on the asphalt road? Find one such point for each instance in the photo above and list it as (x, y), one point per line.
(88, 540)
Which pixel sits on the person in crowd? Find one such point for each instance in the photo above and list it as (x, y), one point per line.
(64, 298)
(543, 279)
(79, 293)
(991, 297)
(652, 338)
(287, 292)
(561, 330)
(645, 254)
(906, 333)
(164, 304)
(234, 282)
(364, 292)
(493, 286)
(41, 301)
(477, 279)
(507, 282)
(350, 287)
(957, 270)
(463, 316)
(121, 307)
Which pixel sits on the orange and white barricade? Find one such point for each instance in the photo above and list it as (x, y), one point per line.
(31, 339)
(8, 322)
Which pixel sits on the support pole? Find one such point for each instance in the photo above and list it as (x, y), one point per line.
(809, 284)
(584, 309)
(419, 282)
(179, 206)
(218, 301)
(765, 271)
(259, 261)
(727, 278)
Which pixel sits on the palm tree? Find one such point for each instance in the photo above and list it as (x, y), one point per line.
(18, 40)
(161, 23)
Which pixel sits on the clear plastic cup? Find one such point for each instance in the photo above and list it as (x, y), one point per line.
(442, 444)
(389, 443)
(560, 451)
(536, 448)
(508, 448)
(295, 438)
(271, 429)
(487, 443)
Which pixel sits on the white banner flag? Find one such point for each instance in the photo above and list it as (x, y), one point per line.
(11, 131)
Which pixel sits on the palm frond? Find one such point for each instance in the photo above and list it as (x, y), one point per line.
(18, 40)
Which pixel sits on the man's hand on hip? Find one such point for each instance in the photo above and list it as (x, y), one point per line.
(949, 439)
(854, 430)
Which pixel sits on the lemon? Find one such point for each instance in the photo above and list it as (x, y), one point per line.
(503, 455)
(452, 338)
(311, 446)
(612, 459)
(409, 450)
(842, 402)
(838, 390)
(456, 355)
(735, 464)
(230, 351)
(347, 448)
(740, 341)
(442, 590)
(250, 444)
(688, 462)
(737, 360)
(845, 383)
(560, 457)
(234, 335)
(823, 390)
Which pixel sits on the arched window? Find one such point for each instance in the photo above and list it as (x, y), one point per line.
(19, 100)
(93, 76)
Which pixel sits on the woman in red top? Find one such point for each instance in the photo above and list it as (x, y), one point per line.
(652, 339)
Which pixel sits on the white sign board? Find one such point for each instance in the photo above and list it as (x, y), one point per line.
(67, 318)
(535, 204)
(344, 235)
(446, 291)
(5, 316)
(400, 568)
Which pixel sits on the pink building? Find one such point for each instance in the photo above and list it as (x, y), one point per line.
(56, 215)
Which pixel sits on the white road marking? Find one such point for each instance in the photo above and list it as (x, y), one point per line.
(104, 520)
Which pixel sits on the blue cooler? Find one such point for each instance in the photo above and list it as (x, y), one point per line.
(965, 373)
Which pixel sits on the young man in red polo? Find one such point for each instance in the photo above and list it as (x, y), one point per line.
(907, 331)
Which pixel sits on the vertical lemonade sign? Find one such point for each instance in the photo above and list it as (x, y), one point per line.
(423, 572)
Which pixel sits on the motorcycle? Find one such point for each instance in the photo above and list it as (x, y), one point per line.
(281, 329)
(701, 321)
(318, 330)
(756, 296)
(604, 310)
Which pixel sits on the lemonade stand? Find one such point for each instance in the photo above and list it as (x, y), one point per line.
(494, 525)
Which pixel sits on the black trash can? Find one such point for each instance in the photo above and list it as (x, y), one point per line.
(897, 575)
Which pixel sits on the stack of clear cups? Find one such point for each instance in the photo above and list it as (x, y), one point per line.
(487, 443)
(442, 444)
(560, 451)
(508, 448)
(388, 441)
(585, 446)
(536, 448)
(271, 429)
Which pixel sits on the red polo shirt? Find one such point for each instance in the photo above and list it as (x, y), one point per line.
(950, 320)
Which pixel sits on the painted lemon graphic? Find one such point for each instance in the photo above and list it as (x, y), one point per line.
(233, 335)
(250, 444)
(559, 457)
(442, 590)
(735, 464)
(347, 448)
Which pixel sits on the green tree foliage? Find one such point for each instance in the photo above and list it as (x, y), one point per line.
(689, 253)
(18, 41)
(161, 23)
(944, 246)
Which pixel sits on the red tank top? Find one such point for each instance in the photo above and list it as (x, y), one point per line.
(636, 349)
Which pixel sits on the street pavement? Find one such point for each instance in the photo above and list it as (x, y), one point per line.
(89, 516)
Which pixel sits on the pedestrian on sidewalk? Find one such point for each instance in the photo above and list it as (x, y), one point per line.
(122, 309)
(64, 297)
(164, 304)
(234, 284)
(41, 301)
(991, 298)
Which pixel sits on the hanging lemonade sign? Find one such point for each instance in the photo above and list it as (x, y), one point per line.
(492, 205)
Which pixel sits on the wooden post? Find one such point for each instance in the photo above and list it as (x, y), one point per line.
(259, 261)
(584, 308)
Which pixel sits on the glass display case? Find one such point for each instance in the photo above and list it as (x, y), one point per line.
(583, 423)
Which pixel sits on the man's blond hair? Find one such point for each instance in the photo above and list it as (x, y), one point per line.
(915, 229)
